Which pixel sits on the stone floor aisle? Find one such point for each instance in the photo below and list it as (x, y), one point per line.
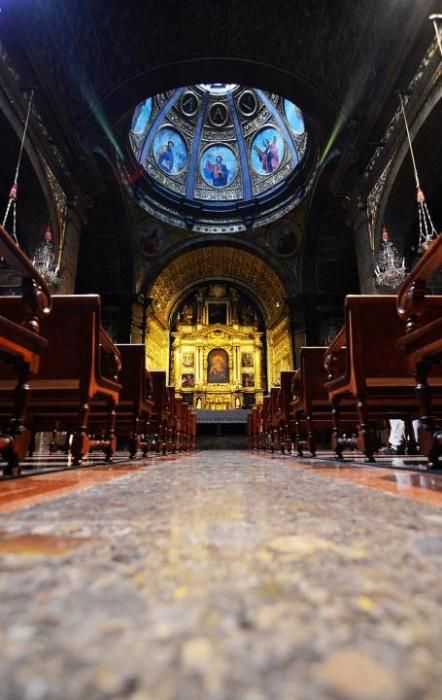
(222, 576)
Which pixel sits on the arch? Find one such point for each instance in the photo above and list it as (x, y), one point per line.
(320, 111)
(106, 254)
(32, 163)
(401, 176)
(194, 286)
(280, 268)
(220, 261)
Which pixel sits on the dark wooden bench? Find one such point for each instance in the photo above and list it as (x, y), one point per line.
(185, 438)
(20, 349)
(422, 344)
(310, 407)
(78, 371)
(365, 364)
(286, 425)
(192, 426)
(178, 413)
(253, 423)
(273, 420)
(136, 405)
(264, 425)
(161, 420)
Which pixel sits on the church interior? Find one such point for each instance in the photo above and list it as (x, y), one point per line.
(221, 350)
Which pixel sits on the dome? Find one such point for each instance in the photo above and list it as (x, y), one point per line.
(219, 157)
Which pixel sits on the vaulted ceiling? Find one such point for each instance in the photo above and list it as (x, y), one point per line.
(92, 62)
(339, 60)
(223, 263)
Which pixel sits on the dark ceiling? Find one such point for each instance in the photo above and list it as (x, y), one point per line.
(339, 60)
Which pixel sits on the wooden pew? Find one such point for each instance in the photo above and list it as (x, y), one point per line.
(264, 426)
(193, 428)
(273, 420)
(310, 404)
(20, 349)
(78, 371)
(422, 344)
(364, 364)
(310, 407)
(286, 424)
(186, 427)
(179, 412)
(253, 423)
(189, 432)
(136, 405)
(160, 423)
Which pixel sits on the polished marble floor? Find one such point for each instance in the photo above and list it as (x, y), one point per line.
(222, 575)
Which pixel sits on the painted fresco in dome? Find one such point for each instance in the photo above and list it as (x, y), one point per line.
(170, 151)
(285, 237)
(218, 166)
(267, 150)
(217, 143)
(152, 238)
(141, 116)
(294, 117)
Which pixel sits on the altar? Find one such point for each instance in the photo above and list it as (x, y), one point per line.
(217, 350)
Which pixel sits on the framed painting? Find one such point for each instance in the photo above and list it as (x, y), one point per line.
(188, 359)
(248, 380)
(247, 359)
(187, 380)
(217, 313)
(218, 367)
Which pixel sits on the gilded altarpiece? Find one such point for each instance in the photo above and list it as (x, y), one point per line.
(157, 349)
(279, 350)
(217, 351)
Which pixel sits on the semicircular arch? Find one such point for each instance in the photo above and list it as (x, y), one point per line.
(220, 279)
(254, 247)
(318, 108)
(398, 202)
(218, 262)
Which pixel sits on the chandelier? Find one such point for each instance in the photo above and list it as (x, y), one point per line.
(45, 260)
(390, 265)
(11, 206)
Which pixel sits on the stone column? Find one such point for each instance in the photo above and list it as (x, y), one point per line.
(237, 377)
(257, 369)
(297, 326)
(69, 260)
(197, 361)
(364, 254)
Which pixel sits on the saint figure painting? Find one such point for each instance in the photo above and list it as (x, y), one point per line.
(218, 166)
(217, 367)
(170, 151)
(267, 151)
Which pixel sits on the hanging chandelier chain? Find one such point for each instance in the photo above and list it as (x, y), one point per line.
(12, 201)
(434, 19)
(427, 230)
(416, 174)
(22, 144)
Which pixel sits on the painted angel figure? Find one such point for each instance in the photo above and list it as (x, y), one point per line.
(269, 156)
